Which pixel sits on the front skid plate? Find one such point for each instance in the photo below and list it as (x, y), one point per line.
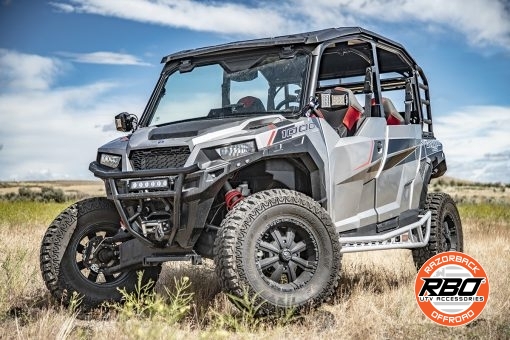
(414, 235)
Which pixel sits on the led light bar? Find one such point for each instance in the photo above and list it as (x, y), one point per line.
(159, 183)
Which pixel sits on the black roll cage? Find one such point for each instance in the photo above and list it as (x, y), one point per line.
(411, 77)
(380, 55)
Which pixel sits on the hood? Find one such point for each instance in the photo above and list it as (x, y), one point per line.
(116, 146)
(200, 131)
(189, 129)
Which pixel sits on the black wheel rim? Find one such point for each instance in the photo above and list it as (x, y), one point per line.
(450, 234)
(92, 270)
(286, 254)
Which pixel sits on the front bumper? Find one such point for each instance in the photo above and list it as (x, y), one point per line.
(192, 193)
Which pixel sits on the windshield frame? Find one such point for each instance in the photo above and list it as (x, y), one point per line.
(185, 65)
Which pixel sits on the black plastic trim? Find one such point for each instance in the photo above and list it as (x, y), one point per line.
(104, 172)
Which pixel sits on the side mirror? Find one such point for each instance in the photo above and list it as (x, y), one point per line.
(125, 122)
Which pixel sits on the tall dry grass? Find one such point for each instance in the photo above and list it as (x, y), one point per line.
(374, 300)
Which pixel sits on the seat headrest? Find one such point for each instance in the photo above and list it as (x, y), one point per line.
(345, 105)
(251, 104)
(352, 100)
(339, 98)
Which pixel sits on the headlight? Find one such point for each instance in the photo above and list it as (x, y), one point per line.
(111, 161)
(232, 151)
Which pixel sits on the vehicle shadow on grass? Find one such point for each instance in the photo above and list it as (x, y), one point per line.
(29, 308)
(205, 285)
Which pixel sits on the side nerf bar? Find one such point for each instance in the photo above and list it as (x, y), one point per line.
(392, 239)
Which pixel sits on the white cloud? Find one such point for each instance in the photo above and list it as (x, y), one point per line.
(476, 142)
(102, 57)
(52, 132)
(480, 21)
(20, 71)
(62, 7)
(217, 17)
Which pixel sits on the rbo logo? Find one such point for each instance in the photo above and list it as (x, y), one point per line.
(451, 288)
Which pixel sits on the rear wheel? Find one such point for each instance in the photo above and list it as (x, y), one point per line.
(445, 230)
(279, 247)
(76, 249)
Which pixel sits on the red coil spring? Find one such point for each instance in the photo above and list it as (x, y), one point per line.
(232, 198)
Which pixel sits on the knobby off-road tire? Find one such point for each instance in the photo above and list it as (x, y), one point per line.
(62, 249)
(445, 229)
(279, 247)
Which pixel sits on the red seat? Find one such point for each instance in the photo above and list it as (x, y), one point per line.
(344, 119)
(393, 117)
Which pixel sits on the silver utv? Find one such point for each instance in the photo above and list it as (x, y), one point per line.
(272, 157)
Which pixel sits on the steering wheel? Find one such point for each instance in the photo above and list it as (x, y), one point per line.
(286, 101)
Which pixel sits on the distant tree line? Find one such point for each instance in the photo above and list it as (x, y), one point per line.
(456, 183)
(45, 194)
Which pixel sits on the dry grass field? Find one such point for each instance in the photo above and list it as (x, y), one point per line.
(374, 299)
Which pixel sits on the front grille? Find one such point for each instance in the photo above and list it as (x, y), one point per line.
(164, 158)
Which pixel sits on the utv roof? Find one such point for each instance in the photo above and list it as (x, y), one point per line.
(307, 38)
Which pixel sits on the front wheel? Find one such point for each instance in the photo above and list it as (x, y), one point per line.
(75, 250)
(445, 229)
(279, 247)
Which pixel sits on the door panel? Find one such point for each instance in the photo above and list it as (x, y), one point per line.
(394, 182)
(353, 166)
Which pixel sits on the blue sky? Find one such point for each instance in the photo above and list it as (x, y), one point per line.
(67, 67)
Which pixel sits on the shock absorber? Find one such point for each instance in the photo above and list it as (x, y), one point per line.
(233, 196)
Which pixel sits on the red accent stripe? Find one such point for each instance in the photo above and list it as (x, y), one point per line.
(271, 138)
(369, 160)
